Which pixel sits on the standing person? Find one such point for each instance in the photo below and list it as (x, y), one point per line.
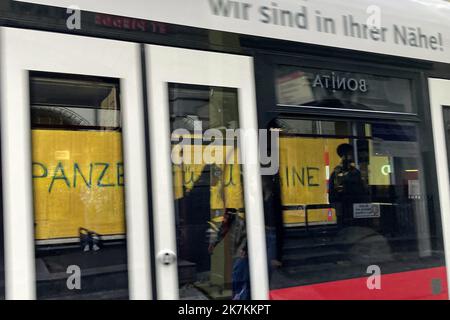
(234, 220)
(273, 217)
(346, 185)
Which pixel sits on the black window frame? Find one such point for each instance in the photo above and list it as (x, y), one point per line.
(266, 63)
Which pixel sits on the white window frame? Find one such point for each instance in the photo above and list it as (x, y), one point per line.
(24, 50)
(173, 65)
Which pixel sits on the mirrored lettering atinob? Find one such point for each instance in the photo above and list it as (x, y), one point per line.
(349, 195)
(298, 86)
(78, 188)
(208, 188)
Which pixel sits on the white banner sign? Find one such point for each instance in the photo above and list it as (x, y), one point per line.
(410, 28)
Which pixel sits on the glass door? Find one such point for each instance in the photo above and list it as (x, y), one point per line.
(440, 102)
(208, 215)
(74, 175)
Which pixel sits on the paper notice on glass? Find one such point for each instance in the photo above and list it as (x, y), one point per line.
(294, 89)
(366, 210)
(414, 189)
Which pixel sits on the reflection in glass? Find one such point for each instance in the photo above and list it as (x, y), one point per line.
(299, 86)
(350, 196)
(208, 188)
(446, 111)
(78, 187)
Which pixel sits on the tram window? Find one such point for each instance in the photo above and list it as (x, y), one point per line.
(78, 187)
(209, 205)
(297, 86)
(343, 203)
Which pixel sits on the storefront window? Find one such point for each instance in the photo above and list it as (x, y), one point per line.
(349, 195)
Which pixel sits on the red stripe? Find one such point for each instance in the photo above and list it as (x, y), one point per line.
(411, 285)
(330, 215)
(327, 158)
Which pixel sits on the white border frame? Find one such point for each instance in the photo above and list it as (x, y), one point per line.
(439, 98)
(172, 65)
(24, 50)
(431, 16)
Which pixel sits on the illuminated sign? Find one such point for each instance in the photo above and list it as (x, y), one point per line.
(132, 24)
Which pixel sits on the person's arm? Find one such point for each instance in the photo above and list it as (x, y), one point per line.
(223, 230)
(333, 197)
(359, 187)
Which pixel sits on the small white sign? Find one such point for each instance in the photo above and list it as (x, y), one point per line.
(366, 210)
(414, 189)
(294, 89)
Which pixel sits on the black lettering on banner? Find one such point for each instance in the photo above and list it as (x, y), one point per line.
(300, 178)
(229, 182)
(76, 168)
(188, 176)
(102, 175)
(120, 174)
(59, 168)
(311, 183)
(306, 177)
(44, 170)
